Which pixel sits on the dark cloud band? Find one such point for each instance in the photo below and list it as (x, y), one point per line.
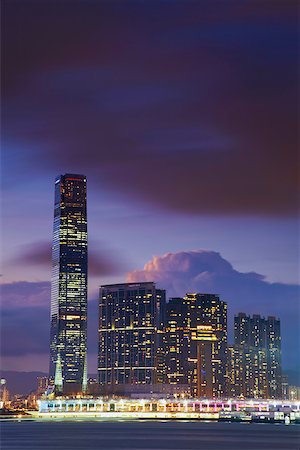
(195, 114)
(101, 263)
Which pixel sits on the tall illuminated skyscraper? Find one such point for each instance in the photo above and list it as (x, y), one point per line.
(69, 284)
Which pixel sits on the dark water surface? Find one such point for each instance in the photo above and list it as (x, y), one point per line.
(159, 435)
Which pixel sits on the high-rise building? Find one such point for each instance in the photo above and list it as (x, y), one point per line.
(285, 387)
(196, 344)
(230, 371)
(177, 341)
(4, 393)
(42, 385)
(131, 317)
(69, 284)
(294, 393)
(250, 357)
(257, 357)
(273, 340)
(208, 345)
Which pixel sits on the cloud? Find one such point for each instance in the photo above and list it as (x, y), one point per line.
(102, 262)
(24, 294)
(206, 271)
(190, 109)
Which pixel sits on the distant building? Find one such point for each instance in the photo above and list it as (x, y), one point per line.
(230, 372)
(42, 385)
(131, 318)
(256, 356)
(285, 387)
(4, 393)
(196, 344)
(69, 284)
(294, 393)
(31, 401)
(273, 338)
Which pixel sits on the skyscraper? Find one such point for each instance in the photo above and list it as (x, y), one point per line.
(177, 341)
(69, 283)
(249, 357)
(208, 345)
(273, 338)
(42, 385)
(257, 357)
(196, 344)
(130, 322)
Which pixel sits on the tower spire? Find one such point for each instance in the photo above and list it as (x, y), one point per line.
(84, 378)
(58, 380)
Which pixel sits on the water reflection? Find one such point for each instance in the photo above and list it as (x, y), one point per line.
(147, 435)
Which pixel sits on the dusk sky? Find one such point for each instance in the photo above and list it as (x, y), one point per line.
(183, 117)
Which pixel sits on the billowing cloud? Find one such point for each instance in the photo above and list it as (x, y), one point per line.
(102, 262)
(191, 108)
(207, 272)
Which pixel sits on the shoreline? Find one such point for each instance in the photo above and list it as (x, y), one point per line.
(117, 418)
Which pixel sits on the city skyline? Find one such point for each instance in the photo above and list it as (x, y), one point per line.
(183, 121)
(150, 240)
(180, 345)
(151, 270)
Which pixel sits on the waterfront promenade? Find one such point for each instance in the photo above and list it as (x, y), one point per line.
(189, 409)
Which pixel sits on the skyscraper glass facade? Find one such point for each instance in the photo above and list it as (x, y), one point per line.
(177, 341)
(273, 338)
(196, 344)
(256, 357)
(130, 321)
(69, 280)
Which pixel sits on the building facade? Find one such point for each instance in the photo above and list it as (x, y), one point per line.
(285, 387)
(68, 344)
(256, 357)
(42, 385)
(4, 393)
(131, 319)
(208, 345)
(273, 338)
(294, 393)
(196, 344)
(177, 341)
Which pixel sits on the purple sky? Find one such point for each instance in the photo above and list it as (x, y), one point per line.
(182, 115)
